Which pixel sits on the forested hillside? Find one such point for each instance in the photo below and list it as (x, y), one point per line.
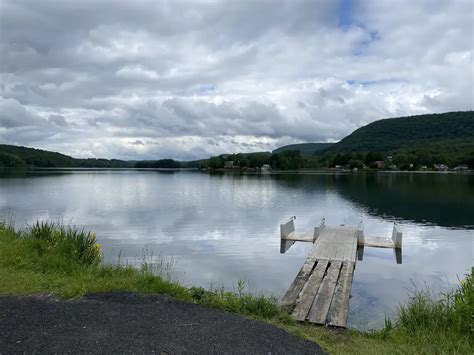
(17, 157)
(395, 133)
(304, 148)
(406, 143)
(400, 143)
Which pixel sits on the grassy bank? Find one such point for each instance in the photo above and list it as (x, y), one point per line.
(45, 258)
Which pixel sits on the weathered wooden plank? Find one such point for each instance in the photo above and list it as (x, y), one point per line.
(331, 250)
(352, 238)
(307, 295)
(314, 289)
(348, 251)
(299, 237)
(339, 253)
(350, 248)
(354, 250)
(289, 299)
(340, 304)
(333, 243)
(379, 242)
(320, 308)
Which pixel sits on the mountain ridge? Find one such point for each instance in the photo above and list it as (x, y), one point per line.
(398, 132)
(435, 134)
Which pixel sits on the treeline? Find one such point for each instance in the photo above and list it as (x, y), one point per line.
(158, 164)
(403, 143)
(451, 153)
(22, 157)
(287, 160)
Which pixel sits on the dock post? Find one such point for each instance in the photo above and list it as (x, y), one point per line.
(318, 230)
(360, 234)
(396, 236)
(287, 228)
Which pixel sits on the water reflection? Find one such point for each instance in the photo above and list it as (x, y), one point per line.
(223, 228)
(445, 200)
(397, 253)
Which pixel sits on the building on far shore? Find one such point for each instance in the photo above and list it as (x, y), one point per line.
(380, 164)
(441, 167)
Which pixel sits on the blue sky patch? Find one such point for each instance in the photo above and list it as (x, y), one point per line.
(345, 17)
(353, 82)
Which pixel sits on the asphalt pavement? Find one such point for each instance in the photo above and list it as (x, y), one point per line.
(120, 322)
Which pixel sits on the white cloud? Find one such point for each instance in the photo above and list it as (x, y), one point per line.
(190, 79)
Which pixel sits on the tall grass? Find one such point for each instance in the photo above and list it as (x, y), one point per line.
(453, 312)
(48, 257)
(443, 323)
(69, 242)
(261, 306)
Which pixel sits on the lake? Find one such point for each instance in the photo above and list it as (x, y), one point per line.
(214, 230)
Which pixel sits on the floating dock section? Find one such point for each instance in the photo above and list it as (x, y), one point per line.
(320, 292)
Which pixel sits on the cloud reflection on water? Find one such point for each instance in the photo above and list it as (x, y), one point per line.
(222, 228)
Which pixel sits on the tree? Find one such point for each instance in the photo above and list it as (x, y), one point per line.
(10, 160)
(216, 163)
(372, 157)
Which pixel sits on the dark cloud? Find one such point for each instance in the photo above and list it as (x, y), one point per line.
(58, 120)
(187, 79)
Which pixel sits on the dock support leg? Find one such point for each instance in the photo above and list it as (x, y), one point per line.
(318, 230)
(360, 234)
(396, 237)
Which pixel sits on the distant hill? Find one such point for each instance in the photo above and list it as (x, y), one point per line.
(16, 157)
(403, 132)
(22, 157)
(13, 156)
(412, 141)
(397, 133)
(404, 143)
(304, 148)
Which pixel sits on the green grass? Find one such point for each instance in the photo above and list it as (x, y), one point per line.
(48, 258)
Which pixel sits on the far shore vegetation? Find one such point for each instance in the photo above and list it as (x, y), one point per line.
(64, 261)
(425, 142)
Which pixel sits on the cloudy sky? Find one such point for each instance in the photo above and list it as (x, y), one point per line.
(148, 79)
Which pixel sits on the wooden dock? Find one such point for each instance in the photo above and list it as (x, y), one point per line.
(320, 292)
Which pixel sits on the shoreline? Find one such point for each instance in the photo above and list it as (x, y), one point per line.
(46, 259)
(327, 171)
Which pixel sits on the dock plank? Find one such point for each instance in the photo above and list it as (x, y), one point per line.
(306, 298)
(321, 290)
(299, 237)
(340, 304)
(379, 242)
(289, 299)
(320, 308)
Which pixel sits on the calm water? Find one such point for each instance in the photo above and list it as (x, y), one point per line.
(217, 229)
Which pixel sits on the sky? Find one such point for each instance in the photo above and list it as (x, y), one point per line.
(148, 79)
